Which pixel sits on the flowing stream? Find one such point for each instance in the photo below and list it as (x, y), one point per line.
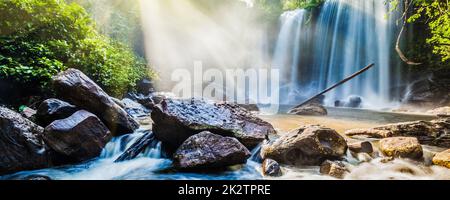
(153, 165)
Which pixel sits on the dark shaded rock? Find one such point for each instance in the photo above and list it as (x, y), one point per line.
(77, 88)
(208, 150)
(351, 102)
(37, 178)
(310, 145)
(431, 91)
(118, 102)
(401, 147)
(436, 132)
(80, 137)
(136, 148)
(53, 109)
(145, 87)
(338, 103)
(271, 168)
(361, 147)
(28, 112)
(313, 109)
(135, 109)
(149, 101)
(335, 169)
(144, 100)
(158, 97)
(175, 120)
(21, 144)
(354, 102)
(250, 107)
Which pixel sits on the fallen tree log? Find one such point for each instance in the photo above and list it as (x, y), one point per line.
(336, 85)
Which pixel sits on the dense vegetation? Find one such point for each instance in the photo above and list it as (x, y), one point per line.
(39, 38)
(118, 19)
(294, 4)
(431, 22)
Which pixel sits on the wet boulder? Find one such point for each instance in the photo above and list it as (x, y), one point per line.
(335, 169)
(271, 168)
(353, 102)
(360, 147)
(79, 137)
(401, 147)
(53, 109)
(145, 87)
(313, 109)
(435, 132)
(28, 112)
(21, 144)
(175, 120)
(310, 145)
(208, 150)
(135, 109)
(75, 87)
(442, 159)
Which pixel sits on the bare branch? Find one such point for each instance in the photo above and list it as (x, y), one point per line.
(397, 45)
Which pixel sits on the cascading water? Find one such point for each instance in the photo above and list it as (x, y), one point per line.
(316, 50)
(287, 52)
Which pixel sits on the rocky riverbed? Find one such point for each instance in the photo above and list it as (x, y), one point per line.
(83, 133)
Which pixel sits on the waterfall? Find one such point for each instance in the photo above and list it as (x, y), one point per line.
(316, 50)
(287, 52)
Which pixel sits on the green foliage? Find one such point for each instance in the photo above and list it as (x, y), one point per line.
(435, 15)
(118, 19)
(39, 38)
(305, 4)
(271, 8)
(438, 15)
(276, 7)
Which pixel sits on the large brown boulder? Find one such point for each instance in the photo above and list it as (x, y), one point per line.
(175, 120)
(436, 132)
(309, 145)
(401, 147)
(21, 144)
(79, 137)
(206, 150)
(442, 159)
(75, 87)
(53, 109)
